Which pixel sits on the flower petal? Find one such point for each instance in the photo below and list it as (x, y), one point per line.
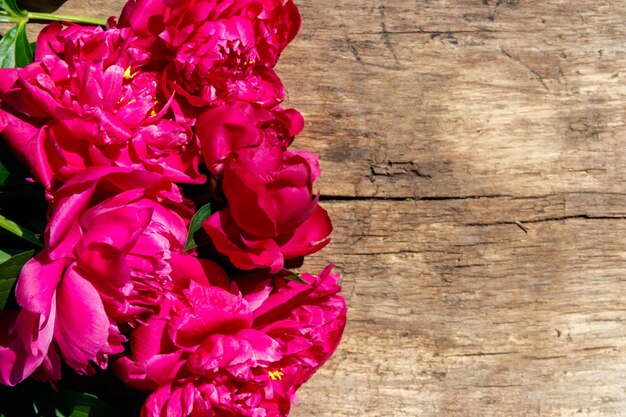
(82, 326)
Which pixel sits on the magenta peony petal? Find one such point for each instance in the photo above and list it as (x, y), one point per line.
(149, 339)
(8, 77)
(63, 231)
(186, 268)
(310, 237)
(38, 282)
(146, 19)
(103, 265)
(113, 78)
(265, 350)
(82, 326)
(119, 227)
(157, 403)
(47, 41)
(312, 160)
(224, 130)
(25, 338)
(50, 368)
(206, 310)
(243, 253)
(27, 142)
(250, 203)
(262, 87)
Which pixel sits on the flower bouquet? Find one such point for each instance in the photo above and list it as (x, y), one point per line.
(151, 212)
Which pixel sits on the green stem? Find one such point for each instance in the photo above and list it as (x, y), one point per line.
(66, 18)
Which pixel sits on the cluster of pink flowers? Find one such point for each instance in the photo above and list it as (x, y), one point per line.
(116, 123)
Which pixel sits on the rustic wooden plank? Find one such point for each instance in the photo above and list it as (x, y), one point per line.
(457, 311)
(439, 98)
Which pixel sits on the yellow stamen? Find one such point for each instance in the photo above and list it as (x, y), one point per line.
(128, 74)
(153, 111)
(276, 375)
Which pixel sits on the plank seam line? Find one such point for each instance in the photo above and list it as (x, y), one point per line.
(472, 354)
(549, 219)
(433, 33)
(330, 197)
(436, 198)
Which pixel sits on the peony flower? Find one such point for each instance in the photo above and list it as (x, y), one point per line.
(85, 103)
(110, 246)
(224, 131)
(271, 214)
(218, 352)
(216, 64)
(215, 53)
(275, 22)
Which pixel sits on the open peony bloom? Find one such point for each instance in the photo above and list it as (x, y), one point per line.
(272, 214)
(225, 131)
(85, 103)
(215, 52)
(215, 351)
(110, 245)
(275, 22)
(216, 64)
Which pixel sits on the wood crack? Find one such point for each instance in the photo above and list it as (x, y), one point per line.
(548, 219)
(385, 34)
(408, 199)
(432, 33)
(398, 168)
(474, 354)
(531, 71)
(397, 252)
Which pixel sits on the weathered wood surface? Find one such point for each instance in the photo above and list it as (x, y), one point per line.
(474, 163)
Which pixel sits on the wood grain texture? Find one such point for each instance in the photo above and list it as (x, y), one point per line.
(457, 311)
(473, 161)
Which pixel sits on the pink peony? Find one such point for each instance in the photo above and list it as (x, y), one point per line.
(271, 214)
(110, 246)
(216, 64)
(86, 103)
(218, 352)
(224, 131)
(275, 22)
(215, 52)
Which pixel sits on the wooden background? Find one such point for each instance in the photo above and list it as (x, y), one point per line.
(473, 161)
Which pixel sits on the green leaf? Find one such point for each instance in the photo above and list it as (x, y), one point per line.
(15, 50)
(196, 223)
(11, 268)
(4, 255)
(19, 231)
(7, 48)
(4, 174)
(292, 276)
(9, 271)
(10, 6)
(5, 18)
(6, 288)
